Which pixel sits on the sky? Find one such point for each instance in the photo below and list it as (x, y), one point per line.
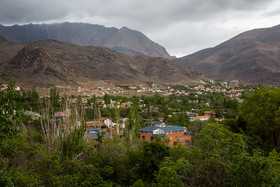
(181, 26)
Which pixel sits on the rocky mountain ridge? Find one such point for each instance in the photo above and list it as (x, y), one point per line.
(252, 57)
(124, 40)
(49, 63)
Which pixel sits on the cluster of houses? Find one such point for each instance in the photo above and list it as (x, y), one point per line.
(106, 127)
(173, 135)
(207, 115)
(5, 87)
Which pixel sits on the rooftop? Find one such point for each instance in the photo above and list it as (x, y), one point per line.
(158, 122)
(167, 128)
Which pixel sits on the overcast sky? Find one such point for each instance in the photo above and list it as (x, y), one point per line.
(181, 26)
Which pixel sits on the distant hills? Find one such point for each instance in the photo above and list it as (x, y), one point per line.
(49, 63)
(124, 40)
(251, 57)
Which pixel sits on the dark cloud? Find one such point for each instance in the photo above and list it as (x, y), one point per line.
(181, 25)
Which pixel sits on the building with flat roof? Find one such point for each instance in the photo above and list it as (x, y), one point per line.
(175, 134)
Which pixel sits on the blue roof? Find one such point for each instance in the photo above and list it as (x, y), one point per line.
(160, 135)
(167, 128)
(158, 122)
(188, 132)
(94, 135)
(93, 129)
(192, 117)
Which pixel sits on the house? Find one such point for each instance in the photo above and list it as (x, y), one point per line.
(160, 119)
(192, 119)
(94, 135)
(33, 115)
(210, 113)
(95, 124)
(175, 134)
(159, 124)
(203, 118)
(124, 105)
(93, 130)
(192, 114)
(103, 125)
(4, 87)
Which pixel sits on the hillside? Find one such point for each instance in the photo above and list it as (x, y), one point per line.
(50, 63)
(124, 40)
(251, 57)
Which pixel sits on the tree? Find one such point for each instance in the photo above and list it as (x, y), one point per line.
(253, 171)
(54, 97)
(216, 149)
(150, 159)
(171, 173)
(10, 111)
(261, 112)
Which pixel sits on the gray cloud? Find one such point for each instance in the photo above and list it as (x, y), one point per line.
(181, 26)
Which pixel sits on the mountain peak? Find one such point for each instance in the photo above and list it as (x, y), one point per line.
(250, 57)
(88, 35)
(47, 63)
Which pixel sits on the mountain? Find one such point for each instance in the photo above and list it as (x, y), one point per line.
(49, 63)
(124, 40)
(252, 57)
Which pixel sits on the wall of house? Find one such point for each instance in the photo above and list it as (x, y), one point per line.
(145, 135)
(174, 137)
(178, 137)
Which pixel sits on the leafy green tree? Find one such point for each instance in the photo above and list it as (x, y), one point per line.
(107, 99)
(261, 112)
(171, 173)
(216, 149)
(10, 111)
(253, 171)
(150, 160)
(133, 124)
(54, 98)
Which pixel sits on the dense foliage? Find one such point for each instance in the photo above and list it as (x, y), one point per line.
(240, 151)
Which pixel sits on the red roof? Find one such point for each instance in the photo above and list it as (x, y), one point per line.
(91, 124)
(209, 112)
(103, 118)
(203, 116)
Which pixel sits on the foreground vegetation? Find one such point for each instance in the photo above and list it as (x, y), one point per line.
(242, 150)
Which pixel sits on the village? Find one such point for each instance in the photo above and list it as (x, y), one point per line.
(172, 122)
(168, 118)
(233, 89)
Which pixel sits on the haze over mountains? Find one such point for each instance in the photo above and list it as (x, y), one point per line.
(124, 40)
(251, 57)
(49, 63)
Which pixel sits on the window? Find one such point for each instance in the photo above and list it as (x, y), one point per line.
(167, 132)
(171, 138)
(181, 136)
